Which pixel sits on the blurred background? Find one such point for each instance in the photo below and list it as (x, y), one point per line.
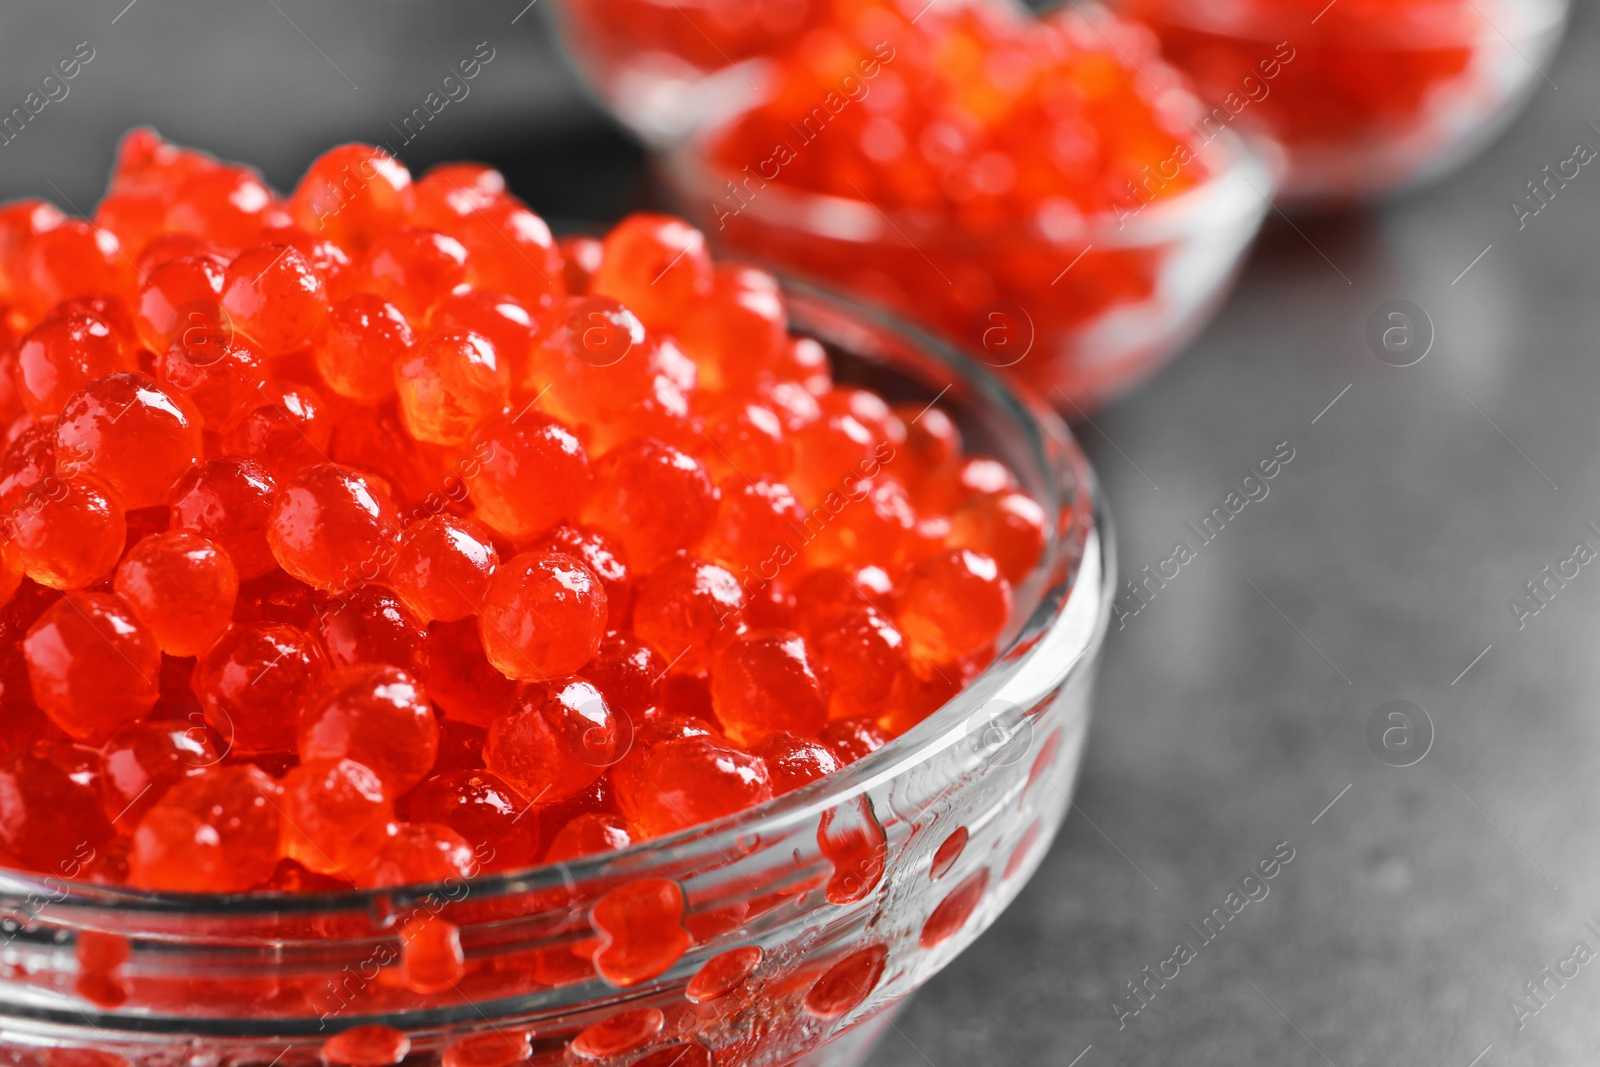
(1234, 707)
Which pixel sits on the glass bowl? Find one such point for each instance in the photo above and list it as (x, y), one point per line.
(784, 934)
(1364, 99)
(666, 67)
(1080, 315)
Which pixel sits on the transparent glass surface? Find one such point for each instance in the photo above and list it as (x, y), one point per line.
(1080, 313)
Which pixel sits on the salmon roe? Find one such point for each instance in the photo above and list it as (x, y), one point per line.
(972, 150)
(353, 542)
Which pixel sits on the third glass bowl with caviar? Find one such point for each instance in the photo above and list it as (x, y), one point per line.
(1365, 98)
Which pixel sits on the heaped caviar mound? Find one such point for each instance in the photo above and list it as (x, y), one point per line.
(1048, 176)
(299, 491)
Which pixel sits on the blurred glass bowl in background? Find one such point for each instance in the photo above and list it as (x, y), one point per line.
(1365, 97)
(1081, 315)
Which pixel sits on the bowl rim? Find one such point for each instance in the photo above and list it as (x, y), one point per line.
(1534, 18)
(1081, 592)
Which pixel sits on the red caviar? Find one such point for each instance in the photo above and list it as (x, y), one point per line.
(1362, 97)
(407, 563)
(969, 150)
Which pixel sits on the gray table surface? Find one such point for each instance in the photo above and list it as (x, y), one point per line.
(1233, 711)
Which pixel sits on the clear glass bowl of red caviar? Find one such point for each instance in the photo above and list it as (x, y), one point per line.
(1365, 98)
(1081, 314)
(786, 933)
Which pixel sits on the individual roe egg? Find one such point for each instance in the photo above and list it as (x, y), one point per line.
(275, 296)
(215, 832)
(333, 526)
(656, 265)
(182, 586)
(953, 604)
(92, 665)
(74, 258)
(692, 780)
(865, 657)
(766, 682)
(1009, 526)
(350, 194)
(758, 525)
(222, 372)
(176, 296)
(748, 441)
(252, 683)
(49, 821)
(377, 715)
(67, 533)
(490, 815)
(449, 384)
(131, 433)
(531, 473)
(63, 354)
(588, 834)
(555, 740)
(336, 815)
(652, 498)
(543, 616)
(419, 853)
(366, 336)
(229, 500)
(227, 204)
(500, 317)
(512, 251)
(283, 426)
(737, 333)
(412, 268)
(682, 606)
(628, 672)
(142, 760)
(370, 624)
(795, 761)
(443, 566)
(600, 554)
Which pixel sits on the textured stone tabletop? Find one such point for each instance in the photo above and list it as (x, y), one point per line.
(1233, 710)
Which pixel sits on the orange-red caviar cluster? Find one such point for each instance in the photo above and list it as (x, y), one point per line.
(997, 163)
(370, 535)
(978, 114)
(1356, 72)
